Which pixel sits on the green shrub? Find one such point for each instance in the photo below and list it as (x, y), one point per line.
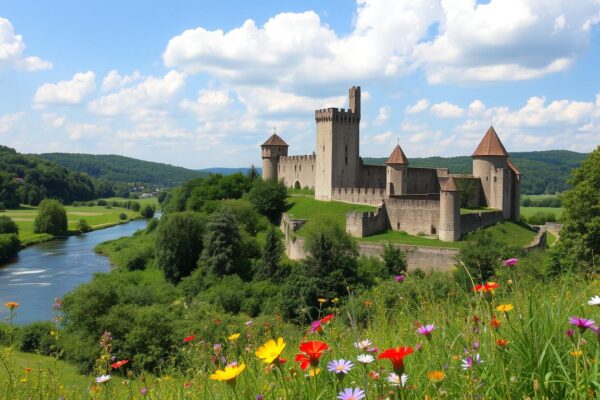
(147, 211)
(135, 206)
(83, 226)
(51, 218)
(101, 203)
(394, 259)
(36, 338)
(9, 246)
(122, 216)
(2, 206)
(7, 225)
(269, 197)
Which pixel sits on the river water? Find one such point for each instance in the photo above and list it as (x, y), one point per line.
(48, 270)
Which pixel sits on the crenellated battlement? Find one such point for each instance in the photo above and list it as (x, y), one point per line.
(337, 115)
(301, 158)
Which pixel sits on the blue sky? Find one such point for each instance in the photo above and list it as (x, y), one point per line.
(202, 85)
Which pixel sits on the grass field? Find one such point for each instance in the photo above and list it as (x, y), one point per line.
(530, 211)
(512, 233)
(464, 211)
(551, 238)
(539, 196)
(97, 217)
(306, 207)
(153, 201)
(405, 238)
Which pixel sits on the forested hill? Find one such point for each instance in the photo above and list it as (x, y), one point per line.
(124, 169)
(28, 179)
(543, 171)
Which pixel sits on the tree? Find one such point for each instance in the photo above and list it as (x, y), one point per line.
(579, 245)
(253, 173)
(161, 196)
(147, 211)
(394, 259)
(83, 226)
(7, 225)
(269, 198)
(51, 218)
(222, 244)
(480, 256)
(271, 258)
(179, 244)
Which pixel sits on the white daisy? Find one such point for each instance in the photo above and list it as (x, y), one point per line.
(594, 301)
(363, 344)
(365, 358)
(396, 380)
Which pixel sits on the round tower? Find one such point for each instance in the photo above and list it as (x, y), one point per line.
(489, 159)
(396, 173)
(270, 151)
(449, 227)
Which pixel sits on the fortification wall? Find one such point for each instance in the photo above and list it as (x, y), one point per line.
(422, 181)
(372, 176)
(294, 245)
(369, 196)
(471, 191)
(299, 169)
(472, 222)
(414, 213)
(360, 224)
(540, 241)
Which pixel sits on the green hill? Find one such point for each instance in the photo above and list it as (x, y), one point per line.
(116, 168)
(543, 171)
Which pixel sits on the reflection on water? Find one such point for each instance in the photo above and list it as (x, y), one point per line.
(48, 270)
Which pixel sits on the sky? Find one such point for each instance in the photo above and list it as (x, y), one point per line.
(202, 84)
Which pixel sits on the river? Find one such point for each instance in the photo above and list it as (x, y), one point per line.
(48, 270)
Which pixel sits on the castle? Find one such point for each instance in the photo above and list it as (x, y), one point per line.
(414, 200)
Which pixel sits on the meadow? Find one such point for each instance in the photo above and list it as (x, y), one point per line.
(529, 212)
(407, 338)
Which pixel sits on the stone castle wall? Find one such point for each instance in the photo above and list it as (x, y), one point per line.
(414, 213)
(300, 169)
(368, 196)
(422, 181)
(360, 224)
(472, 222)
(372, 176)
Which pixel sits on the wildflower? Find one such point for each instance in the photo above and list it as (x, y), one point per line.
(495, 322)
(143, 391)
(426, 330)
(374, 375)
(581, 323)
(469, 362)
(488, 287)
(373, 349)
(260, 397)
(368, 303)
(310, 354)
(476, 345)
(576, 353)
(270, 351)
(27, 370)
(363, 344)
(233, 337)
(436, 376)
(187, 385)
(57, 304)
(229, 373)
(315, 327)
(351, 394)
(322, 300)
(119, 364)
(399, 278)
(248, 323)
(11, 305)
(594, 301)
(312, 372)
(189, 338)
(217, 347)
(502, 343)
(510, 262)
(365, 358)
(396, 356)
(340, 366)
(102, 378)
(335, 300)
(23, 380)
(569, 333)
(504, 308)
(325, 320)
(397, 380)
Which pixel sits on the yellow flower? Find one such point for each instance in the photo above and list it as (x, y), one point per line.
(335, 300)
(228, 374)
(436, 376)
(270, 351)
(576, 353)
(23, 380)
(322, 300)
(234, 337)
(11, 305)
(455, 357)
(504, 308)
(314, 372)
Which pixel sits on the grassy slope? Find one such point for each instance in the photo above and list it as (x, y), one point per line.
(306, 207)
(97, 217)
(530, 211)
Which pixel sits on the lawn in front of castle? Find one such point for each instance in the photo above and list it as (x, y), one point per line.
(304, 206)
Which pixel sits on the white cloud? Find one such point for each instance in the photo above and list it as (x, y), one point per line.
(66, 92)
(384, 114)
(210, 104)
(53, 120)
(113, 80)
(418, 107)
(7, 121)
(77, 131)
(151, 92)
(476, 107)
(382, 138)
(12, 48)
(267, 101)
(447, 110)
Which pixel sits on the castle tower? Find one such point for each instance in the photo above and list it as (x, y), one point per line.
(490, 164)
(396, 173)
(449, 227)
(270, 151)
(337, 152)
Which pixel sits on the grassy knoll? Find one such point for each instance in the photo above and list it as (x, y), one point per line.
(306, 207)
(476, 210)
(405, 238)
(528, 212)
(97, 217)
(512, 233)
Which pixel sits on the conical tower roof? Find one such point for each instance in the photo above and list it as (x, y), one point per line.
(274, 140)
(397, 156)
(490, 145)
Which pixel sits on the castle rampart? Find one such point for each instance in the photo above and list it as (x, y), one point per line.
(414, 214)
(297, 171)
(358, 195)
(360, 224)
(472, 222)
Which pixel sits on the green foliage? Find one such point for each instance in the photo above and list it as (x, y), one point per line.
(222, 250)
(51, 218)
(179, 244)
(246, 215)
(9, 245)
(122, 216)
(83, 226)
(541, 201)
(271, 258)
(36, 338)
(7, 225)
(269, 198)
(134, 206)
(147, 211)
(394, 259)
(162, 195)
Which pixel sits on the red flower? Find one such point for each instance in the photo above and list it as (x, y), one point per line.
(495, 322)
(310, 353)
(119, 364)
(325, 320)
(488, 287)
(189, 338)
(502, 342)
(396, 355)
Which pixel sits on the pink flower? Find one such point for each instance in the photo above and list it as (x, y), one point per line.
(399, 278)
(510, 262)
(426, 330)
(582, 323)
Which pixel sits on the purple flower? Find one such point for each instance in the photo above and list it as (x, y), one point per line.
(340, 366)
(373, 349)
(399, 278)
(476, 345)
(315, 326)
(469, 362)
(351, 394)
(259, 397)
(582, 323)
(57, 304)
(217, 347)
(569, 333)
(143, 391)
(426, 330)
(510, 262)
